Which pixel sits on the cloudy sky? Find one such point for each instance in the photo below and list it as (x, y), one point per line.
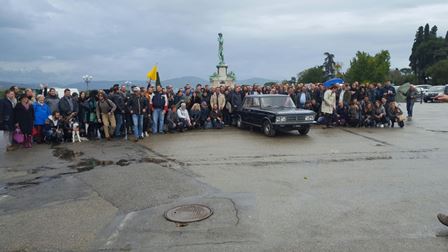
(60, 40)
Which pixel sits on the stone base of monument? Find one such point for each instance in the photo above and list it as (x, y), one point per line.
(221, 77)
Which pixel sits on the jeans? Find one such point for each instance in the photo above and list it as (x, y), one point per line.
(138, 125)
(410, 107)
(158, 118)
(119, 122)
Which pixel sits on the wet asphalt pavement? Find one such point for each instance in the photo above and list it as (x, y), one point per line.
(340, 189)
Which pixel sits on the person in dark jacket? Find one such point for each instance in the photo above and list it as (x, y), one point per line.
(24, 119)
(84, 113)
(52, 100)
(302, 98)
(159, 106)
(119, 99)
(172, 119)
(411, 96)
(204, 118)
(389, 92)
(216, 118)
(67, 105)
(7, 117)
(137, 107)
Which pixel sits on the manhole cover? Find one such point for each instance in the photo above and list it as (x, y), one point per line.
(188, 213)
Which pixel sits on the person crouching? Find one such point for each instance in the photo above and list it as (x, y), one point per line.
(183, 117)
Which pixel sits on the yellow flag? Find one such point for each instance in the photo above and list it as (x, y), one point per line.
(152, 75)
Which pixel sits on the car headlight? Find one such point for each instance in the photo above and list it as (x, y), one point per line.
(309, 118)
(279, 119)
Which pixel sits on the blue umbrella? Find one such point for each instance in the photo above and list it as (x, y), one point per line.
(332, 82)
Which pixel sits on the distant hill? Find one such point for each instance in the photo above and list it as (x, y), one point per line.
(182, 81)
(255, 80)
(99, 84)
(176, 82)
(7, 84)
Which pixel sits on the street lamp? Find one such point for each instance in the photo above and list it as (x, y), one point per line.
(87, 79)
(128, 84)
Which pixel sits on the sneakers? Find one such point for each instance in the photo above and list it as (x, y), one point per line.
(443, 219)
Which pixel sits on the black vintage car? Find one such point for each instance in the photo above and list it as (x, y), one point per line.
(274, 113)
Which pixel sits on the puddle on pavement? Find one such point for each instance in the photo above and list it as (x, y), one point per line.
(123, 162)
(89, 164)
(83, 165)
(39, 169)
(152, 160)
(66, 154)
(32, 182)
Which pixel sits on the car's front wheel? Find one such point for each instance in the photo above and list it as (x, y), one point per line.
(268, 129)
(304, 130)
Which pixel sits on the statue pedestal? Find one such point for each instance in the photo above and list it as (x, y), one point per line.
(221, 77)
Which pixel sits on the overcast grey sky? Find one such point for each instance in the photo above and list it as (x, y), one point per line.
(60, 40)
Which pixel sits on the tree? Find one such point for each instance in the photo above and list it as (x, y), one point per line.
(433, 32)
(426, 34)
(427, 50)
(406, 71)
(312, 75)
(419, 37)
(367, 68)
(446, 36)
(401, 76)
(438, 72)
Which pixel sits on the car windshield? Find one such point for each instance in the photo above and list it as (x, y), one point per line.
(277, 102)
(436, 89)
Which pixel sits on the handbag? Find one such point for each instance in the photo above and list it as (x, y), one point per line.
(18, 136)
(401, 118)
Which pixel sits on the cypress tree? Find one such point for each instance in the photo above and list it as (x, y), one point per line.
(426, 34)
(433, 33)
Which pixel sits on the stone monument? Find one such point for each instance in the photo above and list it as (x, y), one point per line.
(221, 77)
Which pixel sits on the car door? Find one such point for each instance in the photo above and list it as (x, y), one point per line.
(244, 112)
(257, 112)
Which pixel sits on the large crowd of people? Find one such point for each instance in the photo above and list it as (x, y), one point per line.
(27, 118)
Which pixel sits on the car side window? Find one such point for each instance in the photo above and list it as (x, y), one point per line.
(247, 102)
(256, 102)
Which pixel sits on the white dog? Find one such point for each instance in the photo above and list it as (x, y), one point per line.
(75, 132)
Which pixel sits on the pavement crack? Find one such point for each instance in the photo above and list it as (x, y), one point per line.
(209, 243)
(366, 137)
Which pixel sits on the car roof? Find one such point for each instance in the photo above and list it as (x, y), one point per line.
(266, 95)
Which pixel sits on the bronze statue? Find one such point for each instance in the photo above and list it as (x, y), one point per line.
(221, 49)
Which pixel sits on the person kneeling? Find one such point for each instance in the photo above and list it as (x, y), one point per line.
(183, 117)
(53, 129)
(396, 115)
(172, 119)
(216, 118)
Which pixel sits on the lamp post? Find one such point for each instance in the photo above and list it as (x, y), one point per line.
(87, 79)
(128, 84)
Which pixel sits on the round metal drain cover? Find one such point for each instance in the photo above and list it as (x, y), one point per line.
(188, 213)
